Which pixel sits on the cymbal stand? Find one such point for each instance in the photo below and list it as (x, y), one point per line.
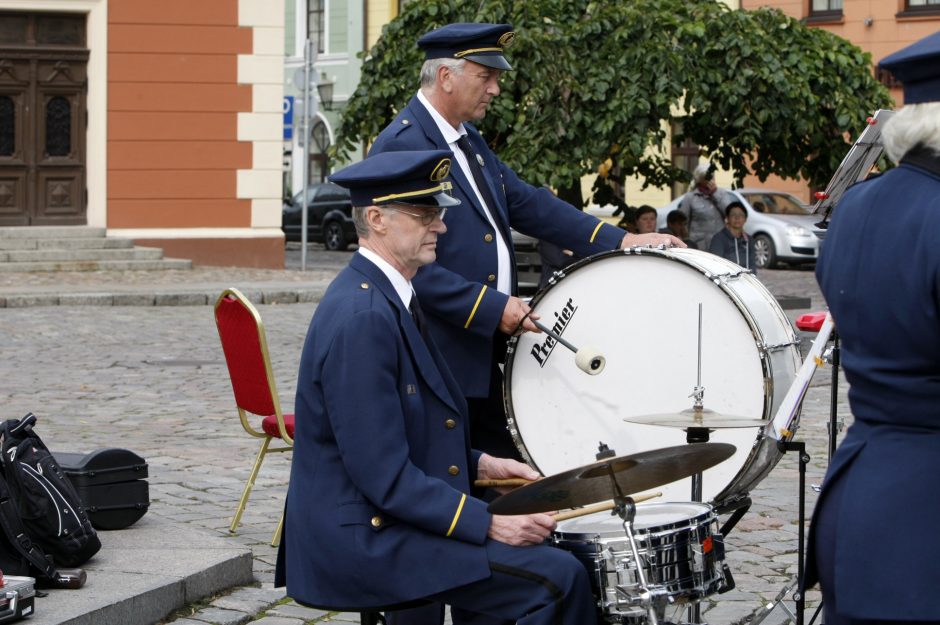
(697, 435)
(625, 508)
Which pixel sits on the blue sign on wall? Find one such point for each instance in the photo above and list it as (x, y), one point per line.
(288, 117)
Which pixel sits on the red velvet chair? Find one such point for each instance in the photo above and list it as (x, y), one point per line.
(249, 366)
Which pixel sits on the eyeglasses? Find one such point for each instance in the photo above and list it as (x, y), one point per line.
(426, 217)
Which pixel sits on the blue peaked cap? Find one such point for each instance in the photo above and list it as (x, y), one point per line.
(417, 177)
(918, 68)
(480, 43)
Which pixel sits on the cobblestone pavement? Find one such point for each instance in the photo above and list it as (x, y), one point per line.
(153, 379)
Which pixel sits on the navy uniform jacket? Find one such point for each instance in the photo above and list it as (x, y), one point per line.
(377, 509)
(459, 290)
(880, 273)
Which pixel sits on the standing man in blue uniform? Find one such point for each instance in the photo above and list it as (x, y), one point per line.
(378, 508)
(873, 542)
(470, 292)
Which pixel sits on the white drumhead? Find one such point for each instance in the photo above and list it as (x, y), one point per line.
(641, 312)
(648, 516)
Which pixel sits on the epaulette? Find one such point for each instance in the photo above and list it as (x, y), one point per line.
(401, 125)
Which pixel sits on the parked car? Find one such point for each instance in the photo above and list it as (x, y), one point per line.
(329, 217)
(783, 228)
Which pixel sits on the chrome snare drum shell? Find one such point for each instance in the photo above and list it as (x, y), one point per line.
(680, 550)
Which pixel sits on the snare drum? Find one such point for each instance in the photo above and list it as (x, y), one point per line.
(680, 552)
(639, 308)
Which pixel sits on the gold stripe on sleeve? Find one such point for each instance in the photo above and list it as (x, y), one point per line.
(457, 514)
(475, 306)
(594, 234)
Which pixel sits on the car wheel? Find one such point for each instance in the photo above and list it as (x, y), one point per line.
(764, 252)
(333, 237)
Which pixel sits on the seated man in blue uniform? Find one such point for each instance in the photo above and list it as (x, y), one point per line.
(873, 541)
(470, 293)
(378, 510)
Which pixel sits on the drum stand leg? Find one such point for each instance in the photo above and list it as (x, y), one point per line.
(834, 426)
(798, 598)
(695, 435)
(625, 508)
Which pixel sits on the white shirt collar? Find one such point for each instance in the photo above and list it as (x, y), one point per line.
(401, 286)
(450, 133)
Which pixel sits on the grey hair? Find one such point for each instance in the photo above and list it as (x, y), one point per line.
(913, 125)
(700, 171)
(359, 220)
(430, 67)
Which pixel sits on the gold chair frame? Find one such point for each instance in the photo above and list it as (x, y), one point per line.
(243, 414)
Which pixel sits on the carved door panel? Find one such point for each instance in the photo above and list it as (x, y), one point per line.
(15, 131)
(59, 165)
(43, 82)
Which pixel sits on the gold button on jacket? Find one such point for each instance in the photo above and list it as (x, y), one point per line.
(488, 238)
(376, 521)
(450, 424)
(491, 277)
(454, 469)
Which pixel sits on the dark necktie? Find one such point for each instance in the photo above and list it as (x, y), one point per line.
(477, 171)
(480, 179)
(418, 315)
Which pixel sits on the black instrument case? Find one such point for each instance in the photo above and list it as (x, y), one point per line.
(111, 484)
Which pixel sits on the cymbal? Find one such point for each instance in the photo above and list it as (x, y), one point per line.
(696, 418)
(592, 483)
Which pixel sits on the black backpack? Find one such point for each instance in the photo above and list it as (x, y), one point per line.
(19, 555)
(47, 503)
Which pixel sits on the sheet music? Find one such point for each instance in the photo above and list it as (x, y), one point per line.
(856, 164)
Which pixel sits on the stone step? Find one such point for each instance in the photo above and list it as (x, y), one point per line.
(107, 243)
(51, 232)
(45, 255)
(65, 244)
(96, 265)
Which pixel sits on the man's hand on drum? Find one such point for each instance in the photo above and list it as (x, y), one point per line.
(490, 468)
(516, 312)
(521, 529)
(652, 239)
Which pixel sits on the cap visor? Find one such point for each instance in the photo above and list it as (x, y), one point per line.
(496, 61)
(438, 199)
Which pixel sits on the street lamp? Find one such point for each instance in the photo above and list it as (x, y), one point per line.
(325, 91)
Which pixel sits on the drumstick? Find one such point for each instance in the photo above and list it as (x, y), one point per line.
(513, 481)
(600, 507)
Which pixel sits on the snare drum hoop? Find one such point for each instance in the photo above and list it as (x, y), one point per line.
(704, 516)
(767, 454)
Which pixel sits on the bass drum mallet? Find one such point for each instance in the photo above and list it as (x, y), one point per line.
(588, 359)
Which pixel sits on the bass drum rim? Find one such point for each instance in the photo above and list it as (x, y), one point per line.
(764, 454)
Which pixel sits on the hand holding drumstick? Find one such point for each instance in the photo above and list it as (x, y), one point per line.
(567, 514)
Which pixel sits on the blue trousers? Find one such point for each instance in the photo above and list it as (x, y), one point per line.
(536, 585)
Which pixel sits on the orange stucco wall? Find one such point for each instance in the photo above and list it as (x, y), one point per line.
(173, 102)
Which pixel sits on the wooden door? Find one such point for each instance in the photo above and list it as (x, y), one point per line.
(43, 85)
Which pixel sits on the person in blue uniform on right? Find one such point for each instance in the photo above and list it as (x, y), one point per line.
(874, 545)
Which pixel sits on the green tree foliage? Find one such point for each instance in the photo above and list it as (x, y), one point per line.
(593, 81)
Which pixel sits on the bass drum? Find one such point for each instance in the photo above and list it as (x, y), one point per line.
(639, 308)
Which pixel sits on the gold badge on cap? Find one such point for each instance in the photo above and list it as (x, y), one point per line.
(507, 39)
(441, 170)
